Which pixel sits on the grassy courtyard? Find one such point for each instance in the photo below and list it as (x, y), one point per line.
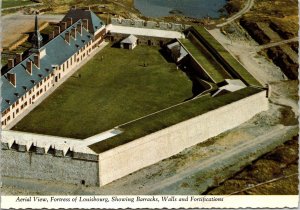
(116, 86)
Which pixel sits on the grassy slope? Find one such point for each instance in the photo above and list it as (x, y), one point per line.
(228, 57)
(202, 59)
(109, 92)
(170, 117)
(15, 3)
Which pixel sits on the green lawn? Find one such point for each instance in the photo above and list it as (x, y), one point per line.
(227, 56)
(15, 3)
(110, 92)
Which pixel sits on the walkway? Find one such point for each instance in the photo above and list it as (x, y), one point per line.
(274, 44)
(144, 32)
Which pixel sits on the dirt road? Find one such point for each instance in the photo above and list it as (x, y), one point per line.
(274, 44)
(246, 52)
(248, 6)
(14, 25)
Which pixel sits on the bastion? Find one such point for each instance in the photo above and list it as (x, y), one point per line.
(223, 95)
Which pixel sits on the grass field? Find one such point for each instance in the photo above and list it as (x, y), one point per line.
(109, 92)
(15, 3)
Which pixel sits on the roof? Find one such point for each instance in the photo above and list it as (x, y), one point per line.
(57, 52)
(232, 86)
(77, 14)
(129, 40)
(180, 50)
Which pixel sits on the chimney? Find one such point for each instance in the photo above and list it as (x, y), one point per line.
(86, 24)
(10, 63)
(12, 78)
(52, 35)
(29, 67)
(63, 26)
(69, 21)
(74, 32)
(36, 59)
(67, 37)
(19, 57)
(80, 28)
(57, 30)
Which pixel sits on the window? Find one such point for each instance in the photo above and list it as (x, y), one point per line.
(17, 111)
(8, 118)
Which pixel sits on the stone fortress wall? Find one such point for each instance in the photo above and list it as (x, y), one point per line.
(73, 162)
(145, 151)
(149, 24)
(35, 156)
(142, 24)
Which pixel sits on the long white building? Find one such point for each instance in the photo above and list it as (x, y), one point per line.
(26, 80)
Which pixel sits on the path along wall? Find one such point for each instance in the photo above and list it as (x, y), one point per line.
(145, 151)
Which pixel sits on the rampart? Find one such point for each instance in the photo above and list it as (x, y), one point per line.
(33, 156)
(142, 152)
(43, 157)
(149, 24)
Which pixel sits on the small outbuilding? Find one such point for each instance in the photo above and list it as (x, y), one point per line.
(177, 51)
(129, 43)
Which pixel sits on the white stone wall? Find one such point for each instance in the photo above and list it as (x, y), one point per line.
(145, 151)
(48, 167)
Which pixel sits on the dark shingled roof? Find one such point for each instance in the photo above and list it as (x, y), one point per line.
(57, 52)
(93, 20)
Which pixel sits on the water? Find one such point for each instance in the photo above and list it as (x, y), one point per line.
(190, 8)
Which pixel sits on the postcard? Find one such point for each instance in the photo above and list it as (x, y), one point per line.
(149, 104)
